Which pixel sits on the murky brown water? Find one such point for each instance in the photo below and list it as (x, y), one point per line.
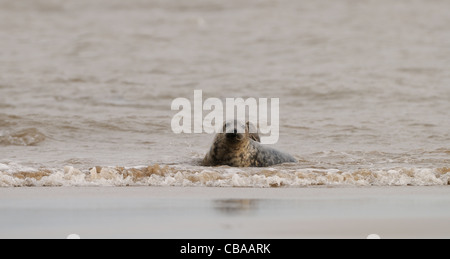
(364, 86)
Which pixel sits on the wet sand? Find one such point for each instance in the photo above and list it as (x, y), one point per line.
(173, 212)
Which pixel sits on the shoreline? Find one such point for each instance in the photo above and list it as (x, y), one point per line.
(211, 212)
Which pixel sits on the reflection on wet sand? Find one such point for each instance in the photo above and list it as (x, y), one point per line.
(236, 206)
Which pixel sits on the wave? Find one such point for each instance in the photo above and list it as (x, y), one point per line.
(156, 175)
(25, 137)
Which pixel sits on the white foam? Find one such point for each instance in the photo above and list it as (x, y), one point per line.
(12, 167)
(8, 181)
(220, 177)
(3, 167)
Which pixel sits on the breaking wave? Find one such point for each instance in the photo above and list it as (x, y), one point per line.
(25, 137)
(12, 175)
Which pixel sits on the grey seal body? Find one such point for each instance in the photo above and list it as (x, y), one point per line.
(240, 147)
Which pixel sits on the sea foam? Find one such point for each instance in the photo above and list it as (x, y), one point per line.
(156, 175)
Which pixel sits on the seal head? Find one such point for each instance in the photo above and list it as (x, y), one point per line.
(239, 146)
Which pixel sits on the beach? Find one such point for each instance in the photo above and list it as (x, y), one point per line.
(249, 213)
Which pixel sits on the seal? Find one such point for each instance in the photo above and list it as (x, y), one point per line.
(239, 146)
